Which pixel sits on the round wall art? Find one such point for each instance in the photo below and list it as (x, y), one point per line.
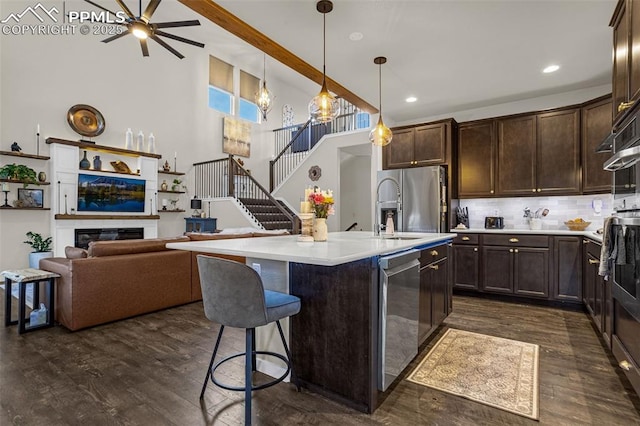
(315, 172)
(85, 120)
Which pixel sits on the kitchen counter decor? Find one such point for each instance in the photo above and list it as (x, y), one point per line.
(322, 206)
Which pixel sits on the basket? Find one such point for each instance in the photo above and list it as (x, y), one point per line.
(577, 226)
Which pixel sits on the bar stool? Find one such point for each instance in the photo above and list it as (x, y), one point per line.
(233, 295)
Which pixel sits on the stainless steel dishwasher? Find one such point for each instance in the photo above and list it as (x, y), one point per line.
(399, 309)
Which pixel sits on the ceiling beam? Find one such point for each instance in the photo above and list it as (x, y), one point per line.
(221, 17)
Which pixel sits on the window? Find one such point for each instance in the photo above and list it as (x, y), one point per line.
(363, 120)
(249, 86)
(220, 85)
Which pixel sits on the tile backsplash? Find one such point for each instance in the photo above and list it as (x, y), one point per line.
(561, 208)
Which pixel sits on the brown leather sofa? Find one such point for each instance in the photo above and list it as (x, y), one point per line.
(121, 279)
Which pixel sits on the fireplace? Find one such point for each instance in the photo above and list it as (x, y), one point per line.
(84, 236)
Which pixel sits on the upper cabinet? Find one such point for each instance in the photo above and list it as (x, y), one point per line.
(422, 145)
(626, 62)
(596, 126)
(477, 157)
(538, 153)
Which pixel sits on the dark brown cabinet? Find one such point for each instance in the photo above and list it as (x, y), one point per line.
(626, 62)
(516, 264)
(476, 159)
(466, 261)
(434, 293)
(422, 145)
(596, 292)
(539, 154)
(567, 276)
(596, 126)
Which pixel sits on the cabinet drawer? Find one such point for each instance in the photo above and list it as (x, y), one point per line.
(467, 239)
(515, 240)
(433, 254)
(593, 248)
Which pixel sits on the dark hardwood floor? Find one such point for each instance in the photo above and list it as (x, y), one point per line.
(148, 371)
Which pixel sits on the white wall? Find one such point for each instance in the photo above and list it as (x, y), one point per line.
(355, 196)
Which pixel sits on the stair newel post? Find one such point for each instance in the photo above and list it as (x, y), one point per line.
(271, 162)
(230, 174)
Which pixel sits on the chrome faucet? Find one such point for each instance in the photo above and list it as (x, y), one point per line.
(377, 226)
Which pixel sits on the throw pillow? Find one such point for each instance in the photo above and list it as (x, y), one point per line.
(75, 252)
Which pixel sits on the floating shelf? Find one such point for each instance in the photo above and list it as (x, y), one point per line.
(104, 217)
(102, 148)
(171, 211)
(25, 208)
(21, 155)
(165, 172)
(22, 181)
(109, 171)
(172, 192)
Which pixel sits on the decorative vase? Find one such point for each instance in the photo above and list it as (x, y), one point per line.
(42, 176)
(84, 163)
(164, 186)
(320, 229)
(97, 163)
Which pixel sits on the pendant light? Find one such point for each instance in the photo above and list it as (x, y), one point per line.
(380, 135)
(264, 99)
(324, 107)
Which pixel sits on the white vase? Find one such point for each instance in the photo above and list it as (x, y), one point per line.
(320, 229)
(34, 258)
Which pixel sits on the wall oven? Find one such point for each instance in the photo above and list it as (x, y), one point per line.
(625, 165)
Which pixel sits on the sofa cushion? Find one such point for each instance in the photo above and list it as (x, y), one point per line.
(75, 252)
(120, 247)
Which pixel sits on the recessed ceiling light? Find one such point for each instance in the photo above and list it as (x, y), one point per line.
(356, 36)
(551, 68)
(411, 99)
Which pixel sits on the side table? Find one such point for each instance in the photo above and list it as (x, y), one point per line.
(23, 277)
(201, 224)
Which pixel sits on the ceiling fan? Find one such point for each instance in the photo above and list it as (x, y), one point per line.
(140, 27)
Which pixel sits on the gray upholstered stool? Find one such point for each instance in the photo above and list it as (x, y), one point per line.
(233, 295)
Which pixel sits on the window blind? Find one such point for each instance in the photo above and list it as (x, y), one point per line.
(249, 85)
(220, 74)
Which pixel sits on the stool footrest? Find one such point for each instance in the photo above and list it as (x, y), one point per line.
(253, 388)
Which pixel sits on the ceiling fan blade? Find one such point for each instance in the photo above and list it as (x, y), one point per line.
(145, 48)
(178, 38)
(125, 9)
(151, 7)
(166, 46)
(177, 24)
(100, 7)
(115, 37)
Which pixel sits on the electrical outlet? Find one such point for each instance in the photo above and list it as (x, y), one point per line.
(256, 267)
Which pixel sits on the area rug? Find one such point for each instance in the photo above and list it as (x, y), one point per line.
(498, 372)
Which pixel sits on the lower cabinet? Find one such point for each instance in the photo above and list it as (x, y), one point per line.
(466, 262)
(567, 259)
(434, 290)
(596, 292)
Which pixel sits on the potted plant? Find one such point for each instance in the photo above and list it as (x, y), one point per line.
(177, 185)
(19, 172)
(41, 248)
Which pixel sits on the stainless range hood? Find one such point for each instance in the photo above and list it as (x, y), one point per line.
(623, 159)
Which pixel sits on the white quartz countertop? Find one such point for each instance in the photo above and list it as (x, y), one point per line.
(341, 247)
(586, 233)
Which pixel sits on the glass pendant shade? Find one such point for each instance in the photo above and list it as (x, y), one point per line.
(380, 135)
(264, 100)
(324, 107)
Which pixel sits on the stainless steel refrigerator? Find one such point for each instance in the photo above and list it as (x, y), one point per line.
(423, 195)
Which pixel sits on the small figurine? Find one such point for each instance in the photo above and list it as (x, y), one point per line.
(166, 167)
(15, 147)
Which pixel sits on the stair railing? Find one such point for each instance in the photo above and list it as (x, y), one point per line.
(225, 177)
(282, 165)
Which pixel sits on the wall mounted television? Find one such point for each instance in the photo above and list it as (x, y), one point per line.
(110, 194)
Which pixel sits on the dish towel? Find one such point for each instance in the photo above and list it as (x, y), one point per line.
(604, 269)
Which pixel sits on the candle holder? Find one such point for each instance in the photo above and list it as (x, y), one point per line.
(306, 227)
(6, 203)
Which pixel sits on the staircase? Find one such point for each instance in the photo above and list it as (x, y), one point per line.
(268, 214)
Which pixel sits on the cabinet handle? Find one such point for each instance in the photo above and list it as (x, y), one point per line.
(515, 251)
(624, 105)
(539, 190)
(625, 365)
(513, 240)
(434, 267)
(491, 192)
(510, 250)
(585, 241)
(593, 261)
(533, 190)
(433, 252)
(475, 249)
(465, 238)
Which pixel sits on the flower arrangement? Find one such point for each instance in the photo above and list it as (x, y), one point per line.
(321, 202)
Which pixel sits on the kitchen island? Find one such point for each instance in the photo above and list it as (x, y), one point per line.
(334, 339)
